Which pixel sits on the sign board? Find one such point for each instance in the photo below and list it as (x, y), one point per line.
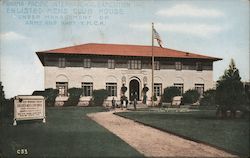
(29, 108)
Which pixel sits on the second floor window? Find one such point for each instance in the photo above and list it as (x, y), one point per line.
(87, 88)
(199, 66)
(178, 65)
(157, 65)
(111, 64)
(86, 63)
(134, 64)
(61, 62)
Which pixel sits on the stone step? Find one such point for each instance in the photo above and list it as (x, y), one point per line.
(138, 106)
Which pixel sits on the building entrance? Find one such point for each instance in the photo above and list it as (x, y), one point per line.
(134, 90)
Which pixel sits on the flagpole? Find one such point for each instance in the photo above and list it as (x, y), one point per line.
(153, 64)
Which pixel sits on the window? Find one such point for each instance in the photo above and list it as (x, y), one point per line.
(157, 65)
(87, 88)
(178, 65)
(157, 89)
(61, 62)
(111, 64)
(180, 86)
(199, 66)
(134, 64)
(86, 63)
(112, 89)
(62, 88)
(200, 88)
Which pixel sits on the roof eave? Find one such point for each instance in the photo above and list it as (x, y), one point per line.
(40, 56)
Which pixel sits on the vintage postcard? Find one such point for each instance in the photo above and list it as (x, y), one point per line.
(124, 78)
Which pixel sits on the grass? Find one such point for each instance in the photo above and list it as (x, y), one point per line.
(68, 132)
(229, 134)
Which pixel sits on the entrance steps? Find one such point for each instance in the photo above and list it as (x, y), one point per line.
(138, 106)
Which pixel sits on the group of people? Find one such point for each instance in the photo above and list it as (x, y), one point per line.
(124, 103)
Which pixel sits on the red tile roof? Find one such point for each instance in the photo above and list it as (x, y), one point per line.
(124, 50)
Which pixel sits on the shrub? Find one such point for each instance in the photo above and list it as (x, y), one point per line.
(49, 94)
(99, 96)
(74, 95)
(154, 97)
(208, 98)
(123, 89)
(41, 93)
(191, 96)
(169, 93)
(145, 89)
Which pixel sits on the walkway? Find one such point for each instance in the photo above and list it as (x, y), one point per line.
(153, 142)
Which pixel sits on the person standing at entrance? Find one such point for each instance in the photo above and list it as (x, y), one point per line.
(135, 100)
(113, 103)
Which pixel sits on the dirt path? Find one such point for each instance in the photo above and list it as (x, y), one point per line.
(152, 142)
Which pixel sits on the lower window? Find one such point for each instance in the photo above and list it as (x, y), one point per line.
(112, 89)
(157, 89)
(87, 88)
(179, 86)
(62, 88)
(199, 88)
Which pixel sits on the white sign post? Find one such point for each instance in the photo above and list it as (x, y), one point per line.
(29, 108)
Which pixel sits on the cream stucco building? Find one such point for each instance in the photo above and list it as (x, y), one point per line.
(110, 66)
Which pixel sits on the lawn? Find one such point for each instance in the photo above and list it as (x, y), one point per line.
(229, 134)
(68, 132)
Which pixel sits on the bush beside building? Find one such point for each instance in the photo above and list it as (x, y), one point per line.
(191, 96)
(99, 96)
(49, 94)
(169, 93)
(74, 96)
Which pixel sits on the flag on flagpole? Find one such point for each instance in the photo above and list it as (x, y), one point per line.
(157, 37)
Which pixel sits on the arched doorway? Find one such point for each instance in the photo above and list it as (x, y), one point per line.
(134, 89)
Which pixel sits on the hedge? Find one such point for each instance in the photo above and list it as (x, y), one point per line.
(99, 96)
(74, 96)
(169, 93)
(49, 94)
(191, 96)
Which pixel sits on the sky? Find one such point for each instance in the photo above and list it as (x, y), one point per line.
(218, 28)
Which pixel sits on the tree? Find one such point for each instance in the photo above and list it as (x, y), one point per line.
(2, 96)
(229, 89)
(208, 98)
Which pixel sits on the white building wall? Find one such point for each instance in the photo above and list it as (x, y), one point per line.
(100, 76)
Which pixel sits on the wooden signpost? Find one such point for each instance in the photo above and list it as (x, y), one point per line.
(29, 108)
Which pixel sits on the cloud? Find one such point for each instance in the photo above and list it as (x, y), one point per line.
(186, 10)
(12, 36)
(195, 29)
